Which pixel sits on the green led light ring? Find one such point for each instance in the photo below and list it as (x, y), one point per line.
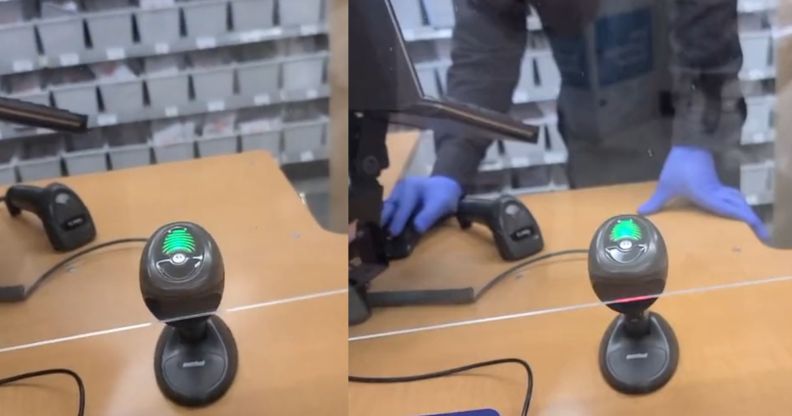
(626, 229)
(178, 240)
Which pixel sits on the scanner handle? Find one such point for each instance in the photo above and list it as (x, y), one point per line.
(24, 198)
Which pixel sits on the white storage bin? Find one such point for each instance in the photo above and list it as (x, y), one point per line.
(41, 168)
(258, 78)
(440, 12)
(18, 43)
(205, 18)
(758, 118)
(408, 13)
(213, 84)
(303, 137)
(303, 73)
(158, 25)
(78, 98)
(269, 141)
(129, 156)
(549, 76)
(62, 36)
(8, 173)
(757, 179)
(756, 51)
(442, 74)
(8, 151)
(122, 97)
(302, 12)
(428, 80)
(252, 14)
(40, 159)
(168, 90)
(174, 152)
(39, 97)
(85, 161)
(110, 30)
(526, 85)
(218, 145)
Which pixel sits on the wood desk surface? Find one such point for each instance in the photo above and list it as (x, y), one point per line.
(735, 359)
(292, 361)
(736, 355)
(272, 247)
(704, 250)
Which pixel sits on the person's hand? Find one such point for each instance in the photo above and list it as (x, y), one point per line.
(689, 172)
(432, 198)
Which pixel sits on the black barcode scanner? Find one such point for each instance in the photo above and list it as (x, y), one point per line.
(182, 278)
(628, 267)
(514, 229)
(66, 219)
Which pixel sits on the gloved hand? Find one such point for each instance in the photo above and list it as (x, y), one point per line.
(432, 198)
(689, 172)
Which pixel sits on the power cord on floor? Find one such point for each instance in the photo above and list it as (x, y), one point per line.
(52, 270)
(72, 374)
(452, 371)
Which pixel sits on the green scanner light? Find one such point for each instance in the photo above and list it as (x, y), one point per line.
(178, 240)
(626, 229)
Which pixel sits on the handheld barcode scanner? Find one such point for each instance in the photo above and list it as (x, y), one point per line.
(65, 217)
(628, 267)
(514, 229)
(182, 279)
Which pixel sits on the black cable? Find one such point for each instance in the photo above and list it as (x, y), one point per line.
(72, 374)
(452, 371)
(506, 273)
(74, 256)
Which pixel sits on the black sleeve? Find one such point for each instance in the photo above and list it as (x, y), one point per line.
(488, 44)
(705, 62)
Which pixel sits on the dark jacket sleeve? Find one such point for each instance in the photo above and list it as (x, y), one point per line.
(705, 62)
(488, 44)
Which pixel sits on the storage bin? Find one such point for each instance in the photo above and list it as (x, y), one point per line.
(303, 73)
(440, 12)
(303, 137)
(269, 141)
(168, 90)
(174, 152)
(62, 36)
(122, 97)
(18, 43)
(110, 29)
(217, 145)
(408, 13)
(78, 98)
(205, 18)
(8, 154)
(85, 161)
(158, 25)
(40, 159)
(38, 97)
(258, 78)
(293, 12)
(549, 76)
(213, 84)
(253, 14)
(757, 179)
(758, 120)
(428, 80)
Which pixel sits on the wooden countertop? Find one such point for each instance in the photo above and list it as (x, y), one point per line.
(273, 248)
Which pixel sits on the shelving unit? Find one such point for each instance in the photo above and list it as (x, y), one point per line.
(428, 26)
(165, 80)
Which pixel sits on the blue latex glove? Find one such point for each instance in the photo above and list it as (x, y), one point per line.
(430, 198)
(689, 172)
